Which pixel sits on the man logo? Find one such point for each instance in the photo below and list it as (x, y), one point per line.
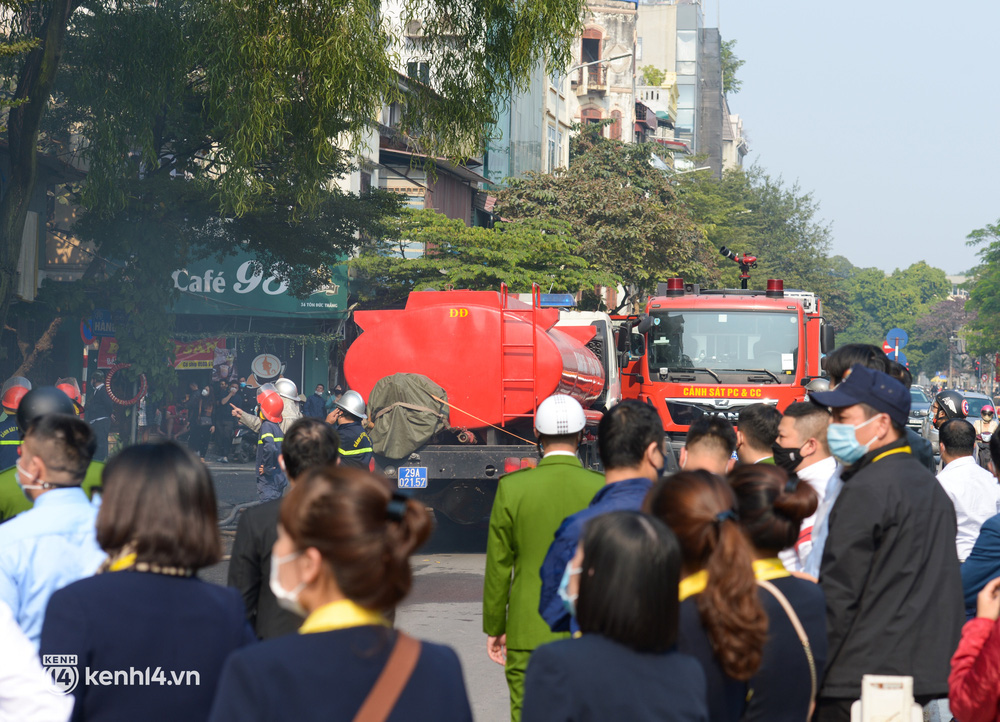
(62, 669)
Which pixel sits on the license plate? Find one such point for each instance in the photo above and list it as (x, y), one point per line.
(412, 477)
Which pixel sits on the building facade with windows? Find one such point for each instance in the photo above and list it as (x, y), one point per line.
(603, 75)
(672, 36)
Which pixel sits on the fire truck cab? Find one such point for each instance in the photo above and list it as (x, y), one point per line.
(697, 351)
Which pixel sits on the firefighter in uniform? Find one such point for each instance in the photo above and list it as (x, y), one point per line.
(290, 412)
(71, 387)
(13, 391)
(355, 446)
(270, 479)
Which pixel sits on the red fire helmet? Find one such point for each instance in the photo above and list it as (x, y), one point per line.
(271, 406)
(71, 388)
(14, 389)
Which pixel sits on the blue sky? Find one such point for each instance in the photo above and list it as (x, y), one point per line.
(886, 111)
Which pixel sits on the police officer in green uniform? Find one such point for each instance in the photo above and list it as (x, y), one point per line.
(39, 402)
(528, 509)
(355, 445)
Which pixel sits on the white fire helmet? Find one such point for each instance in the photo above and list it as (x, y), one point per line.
(559, 415)
(352, 403)
(287, 389)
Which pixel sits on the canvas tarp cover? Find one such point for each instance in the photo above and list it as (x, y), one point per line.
(405, 414)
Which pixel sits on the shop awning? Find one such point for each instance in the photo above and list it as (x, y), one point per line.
(388, 156)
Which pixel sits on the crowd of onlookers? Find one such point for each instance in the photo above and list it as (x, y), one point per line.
(787, 558)
(807, 550)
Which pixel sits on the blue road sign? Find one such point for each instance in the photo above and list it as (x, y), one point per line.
(901, 358)
(101, 323)
(897, 338)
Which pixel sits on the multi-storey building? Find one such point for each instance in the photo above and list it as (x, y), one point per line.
(672, 37)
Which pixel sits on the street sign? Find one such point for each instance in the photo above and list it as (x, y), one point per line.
(887, 348)
(101, 323)
(897, 338)
(901, 358)
(86, 332)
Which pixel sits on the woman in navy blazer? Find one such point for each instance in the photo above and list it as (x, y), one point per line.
(622, 588)
(771, 510)
(341, 560)
(149, 639)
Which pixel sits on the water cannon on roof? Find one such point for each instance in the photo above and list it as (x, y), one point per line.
(745, 261)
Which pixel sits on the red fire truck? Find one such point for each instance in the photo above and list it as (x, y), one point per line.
(452, 382)
(698, 351)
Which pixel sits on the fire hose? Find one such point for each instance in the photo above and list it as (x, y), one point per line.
(143, 386)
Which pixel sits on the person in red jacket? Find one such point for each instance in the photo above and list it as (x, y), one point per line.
(974, 683)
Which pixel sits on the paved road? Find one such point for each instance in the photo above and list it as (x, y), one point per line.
(444, 606)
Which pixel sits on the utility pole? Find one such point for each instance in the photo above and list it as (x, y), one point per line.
(951, 360)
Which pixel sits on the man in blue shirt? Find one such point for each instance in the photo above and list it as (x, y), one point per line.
(54, 543)
(630, 439)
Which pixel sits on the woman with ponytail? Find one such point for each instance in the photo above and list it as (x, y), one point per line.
(771, 507)
(722, 620)
(342, 561)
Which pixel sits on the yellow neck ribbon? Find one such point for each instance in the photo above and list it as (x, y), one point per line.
(340, 615)
(900, 450)
(766, 569)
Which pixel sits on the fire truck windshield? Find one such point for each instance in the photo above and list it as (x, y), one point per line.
(747, 343)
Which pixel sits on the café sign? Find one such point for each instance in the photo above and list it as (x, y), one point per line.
(238, 287)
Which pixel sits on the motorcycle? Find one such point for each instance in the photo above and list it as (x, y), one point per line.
(983, 449)
(244, 445)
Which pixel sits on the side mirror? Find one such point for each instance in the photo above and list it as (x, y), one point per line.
(644, 324)
(622, 334)
(827, 335)
(638, 345)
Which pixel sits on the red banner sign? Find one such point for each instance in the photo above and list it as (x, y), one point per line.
(198, 354)
(107, 355)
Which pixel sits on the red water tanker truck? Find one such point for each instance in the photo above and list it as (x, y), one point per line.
(452, 382)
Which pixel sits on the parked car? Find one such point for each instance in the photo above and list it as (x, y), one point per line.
(920, 406)
(976, 403)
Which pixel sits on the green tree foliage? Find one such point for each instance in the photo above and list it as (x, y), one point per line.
(652, 75)
(881, 302)
(748, 211)
(518, 254)
(213, 126)
(730, 66)
(932, 333)
(624, 213)
(984, 294)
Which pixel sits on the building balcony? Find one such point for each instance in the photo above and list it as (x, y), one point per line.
(590, 79)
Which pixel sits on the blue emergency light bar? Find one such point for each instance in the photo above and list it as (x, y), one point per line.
(558, 300)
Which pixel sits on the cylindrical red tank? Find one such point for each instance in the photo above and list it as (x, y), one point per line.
(454, 338)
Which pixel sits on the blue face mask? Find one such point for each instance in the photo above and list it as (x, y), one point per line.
(568, 600)
(843, 441)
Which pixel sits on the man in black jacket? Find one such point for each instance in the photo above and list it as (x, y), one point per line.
(308, 444)
(889, 570)
(98, 414)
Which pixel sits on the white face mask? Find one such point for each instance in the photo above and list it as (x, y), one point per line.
(288, 600)
(19, 474)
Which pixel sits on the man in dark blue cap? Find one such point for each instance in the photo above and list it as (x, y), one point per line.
(889, 570)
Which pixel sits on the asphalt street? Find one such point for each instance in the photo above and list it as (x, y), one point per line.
(444, 605)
